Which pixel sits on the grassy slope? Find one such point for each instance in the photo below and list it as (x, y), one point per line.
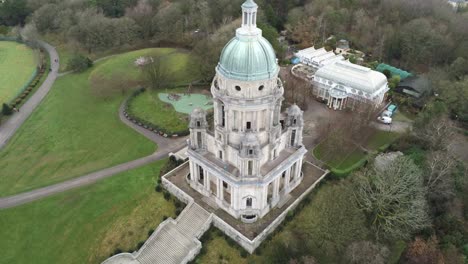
(72, 132)
(345, 160)
(177, 64)
(381, 138)
(149, 107)
(85, 225)
(17, 64)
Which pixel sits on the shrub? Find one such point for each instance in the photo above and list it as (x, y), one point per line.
(79, 63)
(341, 173)
(140, 244)
(167, 196)
(6, 110)
(178, 211)
(158, 188)
(244, 253)
(150, 232)
(387, 73)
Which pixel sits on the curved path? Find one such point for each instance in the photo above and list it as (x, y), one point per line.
(165, 146)
(8, 129)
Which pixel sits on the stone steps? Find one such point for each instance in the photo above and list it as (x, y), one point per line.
(176, 239)
(168, 246)
(193, 220)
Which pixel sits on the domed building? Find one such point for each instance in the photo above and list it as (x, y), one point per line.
(251, 161)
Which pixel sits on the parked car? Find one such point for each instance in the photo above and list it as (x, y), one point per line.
(385, 119)
(392, 108)
(386, 113)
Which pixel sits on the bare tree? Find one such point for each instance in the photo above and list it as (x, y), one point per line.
(438, 177)
(296, 90)
(437, 133)
(155, 73)
(366, 252)
(394, 199)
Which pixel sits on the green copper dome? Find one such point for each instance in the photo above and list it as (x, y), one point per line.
(248, 59)
(248, 56)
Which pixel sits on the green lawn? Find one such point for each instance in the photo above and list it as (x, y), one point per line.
(73, 132)
(399, 116)
(346, 159)
(380, 139)
(87, 224)
(149, 107)
(17, 65)
(177, 64)
(339, 160)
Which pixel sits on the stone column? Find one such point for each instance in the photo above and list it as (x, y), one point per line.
(220, 189)
(206, 181)
(275, 198)
(299, 168)
(233, 196)
(288, 178)
(217, 187)
(192, 172)
(265, 196)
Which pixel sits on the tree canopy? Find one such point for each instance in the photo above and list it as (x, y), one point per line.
(394, 199)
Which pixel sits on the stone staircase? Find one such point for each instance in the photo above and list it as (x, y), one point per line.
(174, 241)
(192, 222)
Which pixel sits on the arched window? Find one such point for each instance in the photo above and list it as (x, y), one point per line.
(248, 202)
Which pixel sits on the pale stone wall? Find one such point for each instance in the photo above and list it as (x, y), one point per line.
(251, 245)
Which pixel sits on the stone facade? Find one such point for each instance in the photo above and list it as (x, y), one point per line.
(252, 159)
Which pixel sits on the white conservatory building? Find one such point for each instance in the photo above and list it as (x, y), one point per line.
(250, 162)
(344, 85)
(317, 58)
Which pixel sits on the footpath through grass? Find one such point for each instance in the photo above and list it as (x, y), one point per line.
(85, 225)
(76, 130)
(18, 63)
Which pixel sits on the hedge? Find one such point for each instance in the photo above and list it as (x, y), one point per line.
(345, 172)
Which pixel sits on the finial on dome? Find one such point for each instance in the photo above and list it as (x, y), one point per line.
(249, 4)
